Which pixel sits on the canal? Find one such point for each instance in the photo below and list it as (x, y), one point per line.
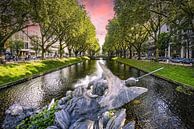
(162, 107)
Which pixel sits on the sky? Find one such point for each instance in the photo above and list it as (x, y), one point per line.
(100, 11)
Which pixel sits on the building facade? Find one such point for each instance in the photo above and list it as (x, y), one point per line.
(27, 48)
(180, 43)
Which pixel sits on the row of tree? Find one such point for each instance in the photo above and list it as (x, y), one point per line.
(61, 21)
(139, 21)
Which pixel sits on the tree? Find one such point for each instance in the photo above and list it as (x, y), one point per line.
(164, 40)
(123, 36)
(61, 22)
(82, 35)
(35, 42)
(113, 41)
(139, 36)
(15, 15)
(146, 13)
(50, 16)
(182, 10)
(67, 25)
(15, 46)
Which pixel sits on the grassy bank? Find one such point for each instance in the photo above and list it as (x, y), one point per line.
(180, 74)
(14, 72)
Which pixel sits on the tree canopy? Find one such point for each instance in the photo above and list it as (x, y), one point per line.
(61, 21)
(147, 17)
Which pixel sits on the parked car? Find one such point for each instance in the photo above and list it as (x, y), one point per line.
(187, 61)
(177, 60)
(163, 58)
(9, 57)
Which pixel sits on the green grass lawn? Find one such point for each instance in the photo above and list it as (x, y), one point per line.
(180, 74)
(13, 72)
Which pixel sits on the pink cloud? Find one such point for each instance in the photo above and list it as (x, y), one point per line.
(100, 12)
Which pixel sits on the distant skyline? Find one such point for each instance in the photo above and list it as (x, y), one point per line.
(100, 11)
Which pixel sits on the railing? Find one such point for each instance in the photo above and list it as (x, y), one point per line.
(103, 57)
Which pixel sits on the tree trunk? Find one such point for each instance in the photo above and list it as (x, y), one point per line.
(188, 49)
(1, 49)
(42, 54)
(1, 53)
(157, 49)
(76, 53)
(139, 54)
(17, 52)
(36, 53)
(120, 53)
(69, 50)
(157, 54)
(60, 50)
(130, 53)
(108, 53)
(42, 48)
(124, 53)
(193, 23)
(116, 53)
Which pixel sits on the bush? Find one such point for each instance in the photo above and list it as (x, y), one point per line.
(41, 120)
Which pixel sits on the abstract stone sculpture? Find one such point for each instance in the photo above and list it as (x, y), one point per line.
(90, 107)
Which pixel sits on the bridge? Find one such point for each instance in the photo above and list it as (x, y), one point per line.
(100, 57)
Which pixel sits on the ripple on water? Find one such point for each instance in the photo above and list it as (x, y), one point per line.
(162, 107)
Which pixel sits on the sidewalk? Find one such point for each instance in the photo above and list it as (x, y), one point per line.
(179, 64)
(165, 62)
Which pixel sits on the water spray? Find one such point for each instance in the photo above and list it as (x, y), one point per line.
(132, 81)
(149, 73)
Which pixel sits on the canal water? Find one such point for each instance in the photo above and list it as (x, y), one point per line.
(162, 107)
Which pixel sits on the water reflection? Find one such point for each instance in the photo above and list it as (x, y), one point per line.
(40, 91)
(90, 77)
(162, 107)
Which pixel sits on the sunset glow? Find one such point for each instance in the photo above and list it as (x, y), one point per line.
(100, 12)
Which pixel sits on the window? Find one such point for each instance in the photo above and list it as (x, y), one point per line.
(26, 45)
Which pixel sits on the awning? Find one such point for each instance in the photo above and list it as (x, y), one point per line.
(28, 50)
